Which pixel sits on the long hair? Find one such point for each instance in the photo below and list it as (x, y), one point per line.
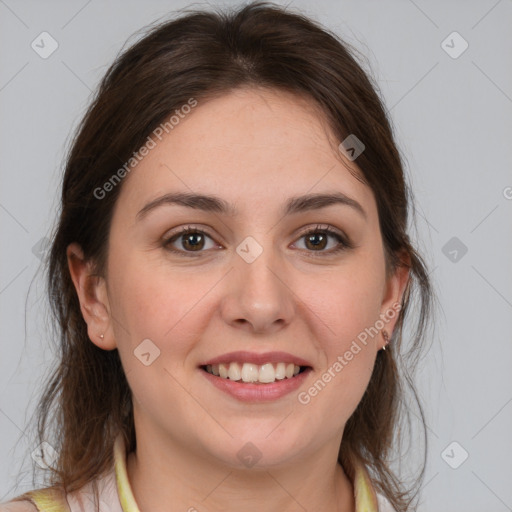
(86, 401)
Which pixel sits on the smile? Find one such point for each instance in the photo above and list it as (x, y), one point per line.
(256, 377)
(253, 373)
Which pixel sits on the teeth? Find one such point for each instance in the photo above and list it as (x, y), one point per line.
(233, 372)
(223, 371)
(280, 371)
(267, 373)
(249, 372)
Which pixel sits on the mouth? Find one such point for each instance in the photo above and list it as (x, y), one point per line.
(253, 377)
(251, 373)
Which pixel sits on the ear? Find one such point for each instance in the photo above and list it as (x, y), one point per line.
(394, 290)
(92, 294)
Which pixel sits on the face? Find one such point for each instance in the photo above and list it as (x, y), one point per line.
(256, 283)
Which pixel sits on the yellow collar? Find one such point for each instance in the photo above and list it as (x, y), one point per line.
(365, 497)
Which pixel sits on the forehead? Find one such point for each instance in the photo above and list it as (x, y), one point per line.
(250, 146)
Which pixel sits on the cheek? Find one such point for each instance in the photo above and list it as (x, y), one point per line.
(349, 303)
(348, 308)
(149, 303)
(152, 305)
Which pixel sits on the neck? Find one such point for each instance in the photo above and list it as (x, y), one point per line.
(165, 474)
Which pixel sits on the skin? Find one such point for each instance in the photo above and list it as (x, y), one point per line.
(254, 148)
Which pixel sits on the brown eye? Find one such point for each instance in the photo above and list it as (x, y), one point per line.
(316, 240)
(193, 241)
(188, 240)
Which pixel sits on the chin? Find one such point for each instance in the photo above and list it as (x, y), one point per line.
(258, 450)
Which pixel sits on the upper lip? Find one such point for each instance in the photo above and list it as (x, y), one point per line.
(259, 359)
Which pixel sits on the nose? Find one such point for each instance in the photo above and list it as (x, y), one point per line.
(258, 297)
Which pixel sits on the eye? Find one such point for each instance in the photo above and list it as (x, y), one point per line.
(317, 239)
(191, 240)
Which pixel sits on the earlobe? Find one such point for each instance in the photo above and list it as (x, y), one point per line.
(93, 298)
(392, 301)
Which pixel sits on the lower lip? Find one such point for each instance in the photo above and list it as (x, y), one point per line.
(247, 392)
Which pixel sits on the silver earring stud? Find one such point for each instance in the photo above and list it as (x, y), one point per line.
(101, 336)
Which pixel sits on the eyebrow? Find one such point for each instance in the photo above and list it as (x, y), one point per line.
(215, 204)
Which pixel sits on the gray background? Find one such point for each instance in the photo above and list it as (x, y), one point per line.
(453, 123)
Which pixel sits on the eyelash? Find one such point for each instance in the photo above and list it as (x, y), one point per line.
(344, 242)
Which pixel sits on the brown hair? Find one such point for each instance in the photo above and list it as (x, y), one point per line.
(205, 55)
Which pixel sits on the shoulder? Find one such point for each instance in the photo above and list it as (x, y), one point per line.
(384, 504)
(49, 499)
(18, 506)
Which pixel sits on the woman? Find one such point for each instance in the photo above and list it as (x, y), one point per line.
(231, 273)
